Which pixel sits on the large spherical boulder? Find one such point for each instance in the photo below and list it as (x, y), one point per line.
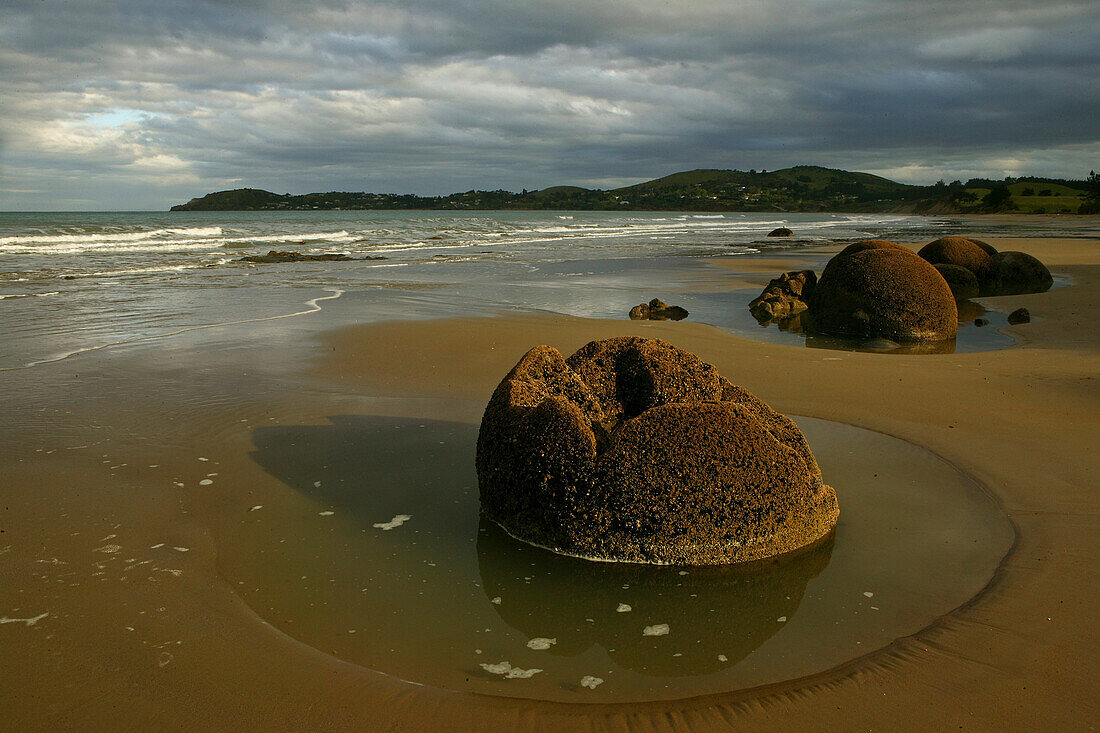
(634, 450)
(965, 253)
(862, 246)
(881, 291)
(962, 282)
(1018, 273)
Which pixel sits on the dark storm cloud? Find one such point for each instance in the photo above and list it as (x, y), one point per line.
(140, 104)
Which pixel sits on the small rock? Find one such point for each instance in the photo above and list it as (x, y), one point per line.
(657, 310)
(1020, 315)
(784, 297)
(979, 322)
(781, 232)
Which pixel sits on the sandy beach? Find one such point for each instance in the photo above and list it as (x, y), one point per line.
(132, 510)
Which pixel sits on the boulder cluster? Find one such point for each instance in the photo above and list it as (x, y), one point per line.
(634, 450)
(995, 273)
(877, 289)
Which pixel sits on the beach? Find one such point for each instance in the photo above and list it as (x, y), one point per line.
(188, 513)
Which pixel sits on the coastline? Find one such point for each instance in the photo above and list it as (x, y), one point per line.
(1021, 421)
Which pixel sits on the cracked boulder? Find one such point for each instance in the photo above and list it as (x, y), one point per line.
(634, 450)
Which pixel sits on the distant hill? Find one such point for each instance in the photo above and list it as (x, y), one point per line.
(804, 188)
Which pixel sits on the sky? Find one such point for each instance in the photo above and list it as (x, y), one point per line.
(129, 105)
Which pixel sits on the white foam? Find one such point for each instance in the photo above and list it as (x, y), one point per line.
(27, 621)
(655, 630)
(623, 608)
(111, 236)
(541, 643)
(29, 295)
(329, 514)
(508, 671)
(397, 521)
(591, 682)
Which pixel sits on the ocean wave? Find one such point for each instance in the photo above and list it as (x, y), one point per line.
(110, 237)
(148, 270)
(157, 240)
(288, 238)
(29, 295)
(101, 246)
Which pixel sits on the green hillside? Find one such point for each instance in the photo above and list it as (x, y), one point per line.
(801, 188)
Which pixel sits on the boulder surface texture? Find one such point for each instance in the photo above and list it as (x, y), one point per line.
(964, 253)
(879, 289)
(962, 282)
(1018, 273)
(634, 450)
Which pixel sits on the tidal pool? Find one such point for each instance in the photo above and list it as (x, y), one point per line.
(444, 598)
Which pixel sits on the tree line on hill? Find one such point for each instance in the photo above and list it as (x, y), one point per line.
(797, 189)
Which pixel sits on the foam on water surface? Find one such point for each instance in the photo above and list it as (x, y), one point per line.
(394, 523)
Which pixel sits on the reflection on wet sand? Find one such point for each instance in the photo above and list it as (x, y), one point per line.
(720, 613)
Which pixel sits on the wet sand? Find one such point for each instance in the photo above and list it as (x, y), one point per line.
(144, 629)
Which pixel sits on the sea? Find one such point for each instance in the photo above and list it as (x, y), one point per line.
(71, 282)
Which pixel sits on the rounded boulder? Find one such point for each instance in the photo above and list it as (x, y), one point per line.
(634, 450)
(1018, 273)
(883, 292)
(962, 282)
(963, 252)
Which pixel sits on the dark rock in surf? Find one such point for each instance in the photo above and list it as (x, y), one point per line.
(277, 256)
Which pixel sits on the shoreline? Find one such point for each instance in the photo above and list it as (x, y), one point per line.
(997, 657)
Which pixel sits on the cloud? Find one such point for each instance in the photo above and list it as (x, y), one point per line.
(142, 104)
